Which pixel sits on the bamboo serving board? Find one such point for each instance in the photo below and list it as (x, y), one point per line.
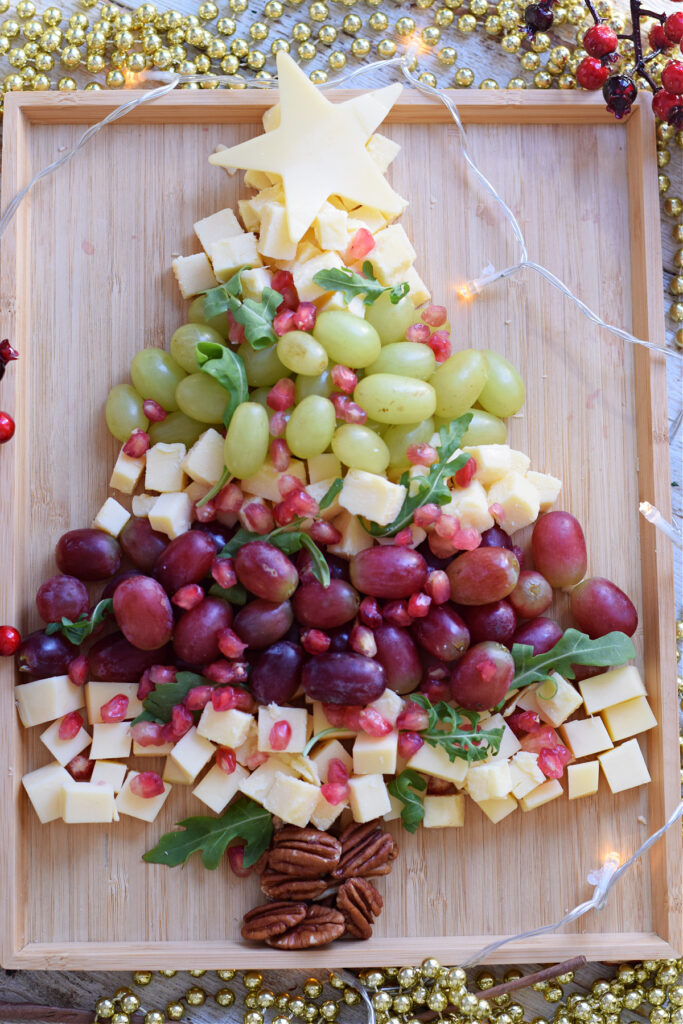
(86, 283)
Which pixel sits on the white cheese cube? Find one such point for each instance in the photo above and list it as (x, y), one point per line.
(303, 274)
(250, 213)
(64, 750)
(142, 504)
(44, 789)
(246, 750)
(434, 761)
(217, 789)
(470, 505)
(111, 772)
(389, 705)
(582, 779)
(297, 719)
(110, 740)
(369, 797)
(354, 537)
(393, 253)
(323, 467)
(111, 518)
(328, 751)
(337, 300)
(174, 774)
(396, 807)
(489, 781)
(419, 292)
(318, 491)
(494, 461)
(43, 700)
(291, 799)
(330, 228)
(204, 462)
(368, 217)
(144, 807)
(525, 773)
(543, 794)
(228, 255)
(218, 226)
(152, 751)
(227, 728)
(258, 784)
(613, 687)
(382, 150)
(196, 491)
(321, 723)
(629, 718)
(498, 808)
(164, 468)
(194, 274)
(97, 694)
(372, 496)
(624, 767)
(444, 811)
(325, 813)
(264, 484)
(557, 706)
(527, 700)
(375, 755)
(275, 242)
(170, 514)
(192, 752)
(509, 744)
(585, 737)
(254, 281)
(517, 500)
(126, 473)
(548, 488)
(87, 802)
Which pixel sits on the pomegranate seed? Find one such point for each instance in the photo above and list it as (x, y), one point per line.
(188, 596)
(245, 701)
(340, 402)
(280, 454)
(418, 332)
(426, 515)
(438, 586)
(362, 641)
(304, 504)
(463, 477)
(257, 517)
(147, 734)
(422, 454)
(229, 498)
(80, 768)
(337, 772)
(281, 396)
(440, 546)
(369, 612)
(226, 759)
(284, 322)
(591, 73)
(314, 641)
(305, 316)
(181, 719)
(373, 723)
(435, 316)
(404, 538)
(283, 513)
(413, 718)
(10, 641)
(564, 755)
(497, 511)
(673, 27)
(153, 411)
(236, 862)
(344, 378)
(230, 644)
(325, 533)
(283, 282)
(145, 685)
(523, 721)
(360, 245)
(354, 414)
(288, 484)
(224, 698)
(446, 526)
(409, 743)
(221, 672)
(280, 735)
(168, 735)
(7, 427)
(7, 352)
(543, 737)
(147, 785)
(70, 725)
(223, 571)
(278, 424)
(198, 697)
(658, 38)
(550, 764)
(160, 674)
(205, 513)
(435, 690)
(439, 787)
(235, 331)
(396, 612)
(115, 709)
(600, 40)
(352, 715)
(418, 605)
(137, 444)
(339, 715)
(440, 344)
(466, 540)
(79, 670)
(335, 792)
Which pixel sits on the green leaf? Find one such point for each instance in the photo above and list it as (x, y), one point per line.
(289, 540)
(404, 787)
(318, 736)
(457, 731)
(350, 284)
(218, 486)
(216, 299)
(234, 595)
(76, 632)
(321, 569)
(245, 820)
(146, 716)
(573, 648)
(433, 486)
(160, 701)
(330, 494)
(225, 366)
(257, 317)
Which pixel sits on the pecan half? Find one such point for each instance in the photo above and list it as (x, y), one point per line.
(278, 886)
(303, 852)
(366, 851)
(320, 926)
(360, 903)
(272, 919)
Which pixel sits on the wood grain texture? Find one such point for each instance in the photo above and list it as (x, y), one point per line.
(91, 277)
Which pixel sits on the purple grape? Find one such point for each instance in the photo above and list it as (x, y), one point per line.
(277, 673)
(496, 621)
(339, 567)
(442, 633)
(266, 571)
(195, 639)
(115, 660)
(388, 571)
(319, 607)
(261, 623)
(600, 607)
(187, 559)
(343, 679)
(88, 554)
(339, 639)
(495, 538)
(41, 656)
(433, 561)
(142, 544)
(114, 582)
(143, 612)
(483, 576)
(540, 633)
(482, 677)
(62, 597)
(219, 533)
(399, 657)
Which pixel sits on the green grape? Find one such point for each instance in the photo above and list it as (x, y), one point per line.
(184, 342)
(123, 412)
(458, 382)
(360, 448)
(155, 374)
(263, 366)
(177, 428)
(407, 359)
(302, 354)
(260, 395)
(377, 428)
(246, 443)
(483, 429)
(320, 385)
(503, 394)
(310, 427)
(202, 398)
(195, 315)
(397, 440)
(346, 338)
(390, 321)
(392, 399)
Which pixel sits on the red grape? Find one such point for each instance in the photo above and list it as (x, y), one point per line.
(218, 533)
(599, 607)
(195, 639)
(343, 679)
(559, 549)
(114, 659)
(61, 596)
(10, 641)
(261, 623)
(321, 607)
(398, 656)
(113, 583)
(88, 554)
(495, 538)
(482, 677)
(141, 543)
(266, 571)
(532, 595)
(496, 621)
(483, 575)
(143, 612)
(540, 633)
(187, 559)
(442, 633)
(42, 656)
(277, 673)
(388, 571)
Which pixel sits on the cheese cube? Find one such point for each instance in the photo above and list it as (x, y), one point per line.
(323, 467)
(488, 781)
(494, 461)
(204, 462)
(304, 273)
(144, 807)
(217, 789)
(434, 761)
(254, 281)
(509, 744)
(325, 813)
(258, 784)
(419, 292)
(164, 468)
(110, 740)
(97, 694)
(382, 150)
(196, 491)
(389, 705)
(318, 491)
(327, 752)
(139, 750)
(170, 514)
(110, 772)
(586, 736)
(303, 767)
(393, 253)
(396, 807)
(525, 773)
(227, 728)
(321, 723)
(517, 500)
(174, 774)
(44, 789)
(275, 242)
(526, 700)
(330, 228)
(557, 706)
(354, 537)
(470, 505)
(548, 488)
(87, 802)
(296, 718)
(543, 794)
(192, 752)
(373, 755)
(372, 496)
(624, 767)
(264, 484)
(582, 779)
(258, 179)
(126, 473)
(194, 274)
(250, 213)
(43, 700)
(64, 750)
(228, 255)
(142, 504)
(246, 750)
(628, 718)
(368, 217)
(613, 687)
(498, 808)
(369, 797)
(444, 811)
(338, 300)
(111, 518)
(291, 799)
(218, 226)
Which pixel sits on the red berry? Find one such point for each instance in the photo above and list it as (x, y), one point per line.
(283, 282)
(524, 721)
(658, 38)
(6, 427)
(600, 40)
(404, 537)
(672, 76)
(673, 27)
(257, 517)
(591, 74)
(229, 499)
(418, 605)
(438, 586)
(10, 640)
(147, 785)
(284, 322)
(181, 721)
(224, 698)
(427, 514)
(663, 103)
(413, 718)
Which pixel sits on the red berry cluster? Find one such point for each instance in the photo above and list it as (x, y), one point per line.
(7, 355)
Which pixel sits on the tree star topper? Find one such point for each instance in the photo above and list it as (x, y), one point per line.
(318, 149)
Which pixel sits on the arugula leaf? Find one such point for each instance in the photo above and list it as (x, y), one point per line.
(319, 566)
(76, 632)
(330, 494)
(255, 317)
(403, 787)
(289, 540)
(455, 729)
(235, 595)
(225, 366)
(159, 703)
(341, 279)
(218, 486)
(245, 820)
(432, 487)
(573, 648)
(216, 299)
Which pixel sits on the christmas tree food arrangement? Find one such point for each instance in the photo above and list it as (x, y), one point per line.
(314, 605)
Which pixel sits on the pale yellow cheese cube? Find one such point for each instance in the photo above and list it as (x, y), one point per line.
(274, 241)
(392, 254)
(171, 514)
(509, 744)
(250, 213)
(97, 694)
(318, 491)
(164, 468)
(258, 784)
(174, 774)
(368, 217)
(254, 281)
(111, 772)
(139, 750)
(291, 799)
(323, 467)
(64, 750)
(228, 255)
(444, 811)
(144, 807)
(227, 728)
(303, 767)
(525, 773)
(110, 740)
(44, 789)
(196, 491)
(494, 461)
(142, 504)
(338, 300)
(330, 228)
(325, 813)
(264, 484)
(306, 250)
(488, 781)
(515, 500)
(382, 150)
(126, 473)
(374, 755)
(419, 292)
(396, 807)
(548, 488)
(582, 779)
(624, 767)
(217, 789)
(498, 808)
(111, 518)
(194, 274)
(193, 751)
(613, 687)
(246, 750)
(321, 723)
(354, 537)
(87, 802)
(257, 179)
(434, 761)
(296, 718)
(543, 794)
(629, 718)
(470, 506)
(204, 462)
(389, 705)
(216, 227)
(328, 751)
(557, 706)
(372, 496)
(303, 274)
(43, 700)
(369, 797)
(585, 736)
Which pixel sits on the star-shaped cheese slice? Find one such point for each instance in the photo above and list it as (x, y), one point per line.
(318, 149)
